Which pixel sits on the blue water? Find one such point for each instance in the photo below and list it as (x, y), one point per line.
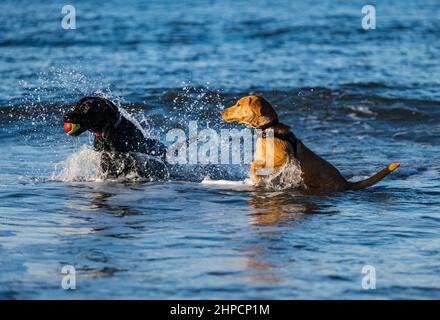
(361, 99)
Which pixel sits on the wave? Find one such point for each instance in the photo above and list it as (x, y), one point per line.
(204, 103)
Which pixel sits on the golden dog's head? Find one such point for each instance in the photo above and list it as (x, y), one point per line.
(254, 111)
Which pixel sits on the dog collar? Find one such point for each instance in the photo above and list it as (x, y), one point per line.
(108, 133)
(268, 125)
(101, 134)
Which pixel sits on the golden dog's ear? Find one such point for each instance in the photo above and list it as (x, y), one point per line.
(262, 107)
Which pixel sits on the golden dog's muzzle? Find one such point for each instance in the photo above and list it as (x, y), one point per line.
(228, 115)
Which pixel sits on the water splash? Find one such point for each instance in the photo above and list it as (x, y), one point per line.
(194, 103)
(289, 177)
(83, 165)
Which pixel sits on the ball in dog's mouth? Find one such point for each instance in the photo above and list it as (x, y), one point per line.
(71, 128)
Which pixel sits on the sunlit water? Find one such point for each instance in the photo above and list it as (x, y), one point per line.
(360, 99)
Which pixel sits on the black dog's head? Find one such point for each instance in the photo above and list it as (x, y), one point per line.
(90, 113)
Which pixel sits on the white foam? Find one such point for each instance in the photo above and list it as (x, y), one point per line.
(289, 177)
(229, 184)
(83, 165)
(246, 182)
(363, 110)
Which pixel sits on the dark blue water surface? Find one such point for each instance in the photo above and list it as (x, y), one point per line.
(360, 98)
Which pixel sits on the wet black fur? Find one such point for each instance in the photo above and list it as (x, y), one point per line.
(122, 138)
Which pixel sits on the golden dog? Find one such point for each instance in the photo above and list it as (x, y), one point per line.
(272, 154)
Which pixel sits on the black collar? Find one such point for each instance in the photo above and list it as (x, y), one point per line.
(268, 125)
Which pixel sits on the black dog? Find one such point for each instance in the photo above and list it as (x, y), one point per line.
(117, 138)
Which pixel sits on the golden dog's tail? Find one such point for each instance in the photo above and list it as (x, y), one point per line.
(373, 179)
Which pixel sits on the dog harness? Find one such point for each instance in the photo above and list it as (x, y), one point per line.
(105, 134)
(290, 138)
(268, 125)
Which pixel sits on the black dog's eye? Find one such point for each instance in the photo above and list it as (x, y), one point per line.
(85, 109)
